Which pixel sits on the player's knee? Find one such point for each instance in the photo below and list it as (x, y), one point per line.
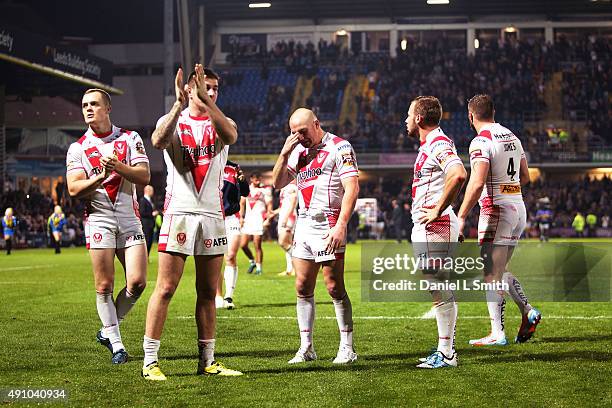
(136, 288)
(206, 293)
(166, 291)
(335, 291)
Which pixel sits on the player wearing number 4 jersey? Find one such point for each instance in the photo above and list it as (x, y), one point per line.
(326, 171)
(102, 168)
(438, 177)
(499, 170)
(195, 143)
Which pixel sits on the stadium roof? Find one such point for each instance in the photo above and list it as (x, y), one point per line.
(399, 9)
(120, 21)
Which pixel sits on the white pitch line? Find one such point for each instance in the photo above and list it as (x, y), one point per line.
(393, 317)
(21, 268)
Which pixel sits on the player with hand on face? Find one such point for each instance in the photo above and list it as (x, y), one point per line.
(195, 142)
(103, 168)
(438, 177)
(327, 180)
(499, 171)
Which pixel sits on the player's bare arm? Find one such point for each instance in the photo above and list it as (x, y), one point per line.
(455, 177)
(80, 186)
(478, 178)
(242, 210)
(162, 135)
(280, 174)
(138, 174)
(524, 176)
(226, 128)
(337, 234)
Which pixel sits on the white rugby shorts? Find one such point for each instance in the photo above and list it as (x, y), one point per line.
(502, 224)
(112, 232)
(435, 241)
(253, 225)
(192, 234)
(232, 225)
(309, 242)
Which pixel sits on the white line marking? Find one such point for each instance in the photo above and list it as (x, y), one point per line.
(545, 317)
(21, 268)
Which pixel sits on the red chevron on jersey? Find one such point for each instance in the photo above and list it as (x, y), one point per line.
(254, 198)
(307, 178)
(197, 158)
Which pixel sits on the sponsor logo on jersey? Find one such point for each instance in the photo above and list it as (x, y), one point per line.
(97, 237)
(120, 149)
(94, 153)
(510, 189)
(323, 253)
(137, 237)
(309, 173)
(219, 241)
(348, 159)
(194, 153)
(181, 237)
(140, 148)
(209, 243)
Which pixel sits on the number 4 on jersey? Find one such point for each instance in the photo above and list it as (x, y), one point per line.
(511, 172)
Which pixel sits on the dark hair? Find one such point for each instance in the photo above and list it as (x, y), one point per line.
(105, 94)
(482, 107)
(208, 72)
(429, 108)
(256, 174)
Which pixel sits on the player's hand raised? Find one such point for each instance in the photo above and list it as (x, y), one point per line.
(290, 143)
(179, 87)
(200, 86)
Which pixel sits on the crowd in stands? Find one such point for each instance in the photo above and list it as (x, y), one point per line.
(513, 72)
(567, 199)
(32, 209)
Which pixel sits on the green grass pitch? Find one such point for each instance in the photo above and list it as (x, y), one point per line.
(48, 322)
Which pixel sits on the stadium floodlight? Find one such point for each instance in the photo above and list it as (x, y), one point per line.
(341, 32)
(438, 1)
(476, 43)
(260, 5)
(404, 44)
(510, 29)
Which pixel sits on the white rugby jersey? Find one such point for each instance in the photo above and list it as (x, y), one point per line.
(436, 155)
(503, 151)
(285, 202)
(256, 202)
(195, 160)
(319, 171)
(117, 196)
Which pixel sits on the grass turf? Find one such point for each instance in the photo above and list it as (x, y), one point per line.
(48, 324)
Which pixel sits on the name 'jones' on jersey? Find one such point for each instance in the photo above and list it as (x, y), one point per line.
(195, 161)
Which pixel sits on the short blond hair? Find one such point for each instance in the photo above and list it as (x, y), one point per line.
(105, 94)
